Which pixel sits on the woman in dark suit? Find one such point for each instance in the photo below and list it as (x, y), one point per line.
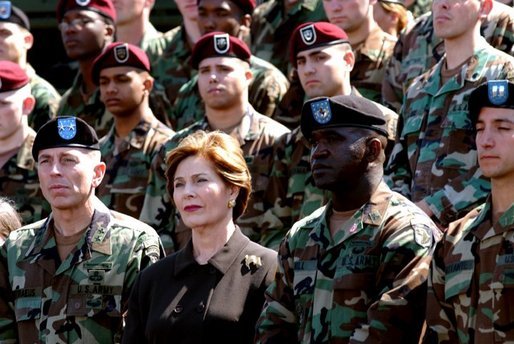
(213, 289)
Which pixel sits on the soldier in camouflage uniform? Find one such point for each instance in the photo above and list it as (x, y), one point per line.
(15, 41)
(226, 109)
(67, 278)
(18, 176)
(86, 30)
(354, 270)
(470, 286)
(371, 45)
(434, 162)
(324, 63)
(170, 58)
(133, 22)
(274, 21)
(268, 84)
(123, 73)
(419, 49)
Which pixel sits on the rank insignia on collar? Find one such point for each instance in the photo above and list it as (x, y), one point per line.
(308, 34)
(67, 127)
(121, 53)
(5, 9)
(498, 91)
(321, 111)
(221, 43)
(82, 2)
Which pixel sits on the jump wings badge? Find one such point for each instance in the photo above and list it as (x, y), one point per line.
(321, 111)
(221, 43)
(67, 127)
(498, 91)
(308, 34)
(121, 53)
(5, 9)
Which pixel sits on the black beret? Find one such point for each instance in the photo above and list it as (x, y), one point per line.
(492, 93)
(66, 131)
(341, 111)
(12, 14)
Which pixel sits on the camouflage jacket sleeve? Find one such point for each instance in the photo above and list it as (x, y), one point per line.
(157, 206)
(397, 172)
(8, 332)
(277, 323)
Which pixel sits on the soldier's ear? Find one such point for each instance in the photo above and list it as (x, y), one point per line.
(246, 20)
(373, 149)
(148, 84)
(485, 7)
(28, 104)
(28, 40)
(349, 58)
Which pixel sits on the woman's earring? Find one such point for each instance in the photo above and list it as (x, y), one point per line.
(231, 203)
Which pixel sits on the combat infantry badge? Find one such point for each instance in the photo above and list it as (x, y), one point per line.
(121, 53)
(308, 34)
(5, 9)
(82, 2)
(498, 91)
(221, 43)
(67, 127)
(321, 111)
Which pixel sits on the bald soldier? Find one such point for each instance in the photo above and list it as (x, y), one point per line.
(123, 75)
(355, 270)
(67, 278)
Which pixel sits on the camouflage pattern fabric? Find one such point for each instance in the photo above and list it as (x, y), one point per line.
(170, 59)
(271, 28)
(256, 134)
(371, 58)
(291, 194)
(81, 299)
(435, 158)
(93, 112)
(365, 284)
(471, 285)
(420, 7)
(19, 182)
(47, 100)
(128, 164)
(266, 89)
(150, 34)
(418, 49)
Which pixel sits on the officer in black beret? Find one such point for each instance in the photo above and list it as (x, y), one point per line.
(366, 240)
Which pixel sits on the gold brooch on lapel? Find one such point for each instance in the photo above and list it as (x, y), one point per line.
(253, 262)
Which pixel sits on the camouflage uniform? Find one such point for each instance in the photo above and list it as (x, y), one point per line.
(371, 57)
(47, 100)
(94, 112)
(365, 284)
(266, 89)
(469, 297)
(150, 34)
(19, 182)
(170, 59)
(420, 7)
(418, 49)
(78, 300)
(291, 194)
(256, 133)
(435, 159)
(128, 165)
(271, 28)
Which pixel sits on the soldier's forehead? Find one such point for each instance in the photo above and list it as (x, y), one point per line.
(78, 12)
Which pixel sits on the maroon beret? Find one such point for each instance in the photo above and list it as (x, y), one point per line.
(120, 54)
(219, 44)
(314, 35)
(103, 7)
(12, 77)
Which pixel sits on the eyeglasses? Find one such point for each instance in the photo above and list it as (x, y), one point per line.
(77, 23)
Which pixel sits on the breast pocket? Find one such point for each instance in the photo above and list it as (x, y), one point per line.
(28, 308)
(458, 278)
(93, 300)
(502, 291)
(457, 149)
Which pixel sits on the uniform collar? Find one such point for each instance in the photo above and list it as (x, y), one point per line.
(24, 159)
(483, 227)
(222, 260)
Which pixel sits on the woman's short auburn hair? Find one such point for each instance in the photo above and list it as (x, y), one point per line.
(9, 217)
(224, 152)
(403, 14)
